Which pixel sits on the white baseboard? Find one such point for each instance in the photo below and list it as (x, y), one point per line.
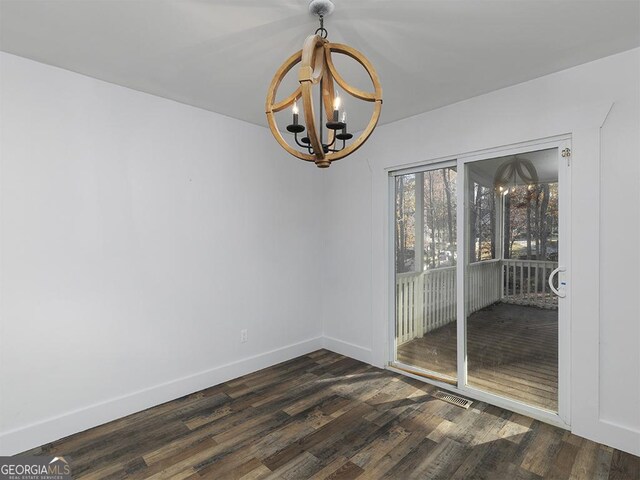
(348, 349)
(51, 429)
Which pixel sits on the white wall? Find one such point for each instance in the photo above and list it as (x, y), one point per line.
(605, 290)
(138, 237)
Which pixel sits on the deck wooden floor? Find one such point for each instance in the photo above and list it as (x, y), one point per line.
(325, 416)
(512, 351)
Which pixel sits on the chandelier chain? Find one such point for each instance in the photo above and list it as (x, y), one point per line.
(322, 31)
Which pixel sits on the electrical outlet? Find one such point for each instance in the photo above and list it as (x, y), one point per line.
(244, 335)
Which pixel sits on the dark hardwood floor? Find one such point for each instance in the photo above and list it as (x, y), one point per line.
(324, 415)
(512, 351)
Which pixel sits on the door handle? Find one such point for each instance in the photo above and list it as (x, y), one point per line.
(560, 291)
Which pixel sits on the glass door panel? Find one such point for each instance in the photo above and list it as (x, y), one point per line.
(511, 218)
(425, 271)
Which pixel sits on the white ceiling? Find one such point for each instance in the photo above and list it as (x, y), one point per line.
(221, 54)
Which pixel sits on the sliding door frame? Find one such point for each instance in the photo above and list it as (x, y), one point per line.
(563, 417)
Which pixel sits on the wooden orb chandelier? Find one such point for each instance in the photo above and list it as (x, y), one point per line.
(325, 140)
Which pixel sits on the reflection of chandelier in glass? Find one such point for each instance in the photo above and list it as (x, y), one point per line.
(510, 170)
(317, 68)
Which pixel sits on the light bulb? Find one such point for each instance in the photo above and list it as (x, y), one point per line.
(295, 107)
(336, 103)
(344, 117)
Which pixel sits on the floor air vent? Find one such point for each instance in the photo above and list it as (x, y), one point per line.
(453, 399)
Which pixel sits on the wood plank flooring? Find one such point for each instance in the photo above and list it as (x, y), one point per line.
(326, 416)
(512, 352)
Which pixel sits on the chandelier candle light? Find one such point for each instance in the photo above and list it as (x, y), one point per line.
(317, 68)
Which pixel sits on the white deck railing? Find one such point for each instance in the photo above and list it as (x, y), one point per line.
(409, 306)
(483, 285)
(426, 301)
(525, 283)
(440, 297)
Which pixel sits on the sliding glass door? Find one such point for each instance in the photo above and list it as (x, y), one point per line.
(480, 279)
(511, 219)
(425, 272)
